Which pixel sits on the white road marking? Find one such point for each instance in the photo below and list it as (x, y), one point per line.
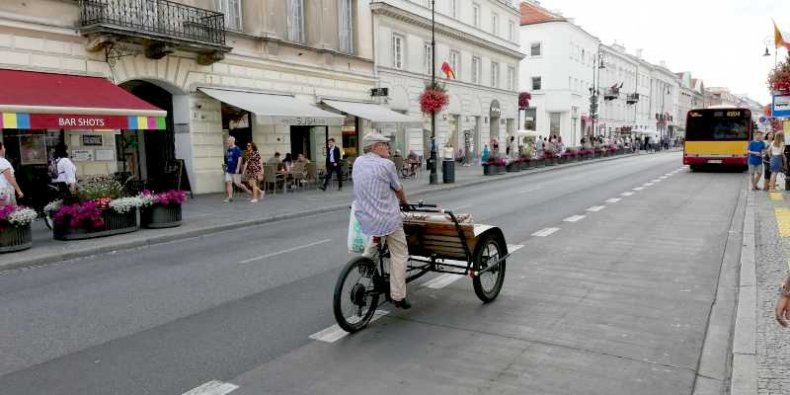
(511, 248)
(442, 281)
(545, 232)
(613, 200)
(575, 218)
(655, 181)
(462, 207)
(667, 175)
(213, 387)
(596, 209)
(639, 188)
(258, 258)
(648, 184)
(662, 177)
(626, 194)
(335, 332)
(528, 190)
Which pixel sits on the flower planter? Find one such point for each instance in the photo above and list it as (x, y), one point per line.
(500, 169)
(114, 224)
(15, 238)
(513, 167)
(158, 216)
(526, 164)
(488, 170)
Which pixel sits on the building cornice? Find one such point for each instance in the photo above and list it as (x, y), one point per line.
(379, 8)
(427, 78)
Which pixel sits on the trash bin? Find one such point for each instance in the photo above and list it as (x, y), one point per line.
(448, 171)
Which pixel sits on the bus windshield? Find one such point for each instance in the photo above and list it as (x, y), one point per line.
(718, 125)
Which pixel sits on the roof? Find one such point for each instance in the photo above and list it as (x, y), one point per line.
(532, 14)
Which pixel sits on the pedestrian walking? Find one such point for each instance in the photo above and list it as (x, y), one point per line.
(777, 162)
(63, 172)
(232, 167)
(783, 304)
(485, 154)
(253, 171)
(756, 148)
(9, 189)
(332, 165)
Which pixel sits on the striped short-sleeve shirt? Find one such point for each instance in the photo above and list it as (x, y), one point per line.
(375, 183)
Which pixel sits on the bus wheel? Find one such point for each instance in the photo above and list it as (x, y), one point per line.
(694, 167)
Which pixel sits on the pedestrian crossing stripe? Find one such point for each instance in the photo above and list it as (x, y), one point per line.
(783, 221)
(777, 197)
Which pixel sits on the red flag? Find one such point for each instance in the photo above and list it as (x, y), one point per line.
(448, 70)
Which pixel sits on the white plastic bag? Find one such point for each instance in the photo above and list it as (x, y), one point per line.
(356, 239)
(780, 181)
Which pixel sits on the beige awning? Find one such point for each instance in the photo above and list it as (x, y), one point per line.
(373, 112)
(276, 109)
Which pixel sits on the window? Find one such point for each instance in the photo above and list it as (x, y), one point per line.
(476, 69)
(397, 51)
(511, 78)
(495, 74)
(455, 63)
(296, 20)
(554, 123)
(511, 31)
(454, 8)
(476, 14)
(494, 24)
(346, 26)
(535, 83)
(534, 49)
(232, 11)
(530, 121)
(428, 58)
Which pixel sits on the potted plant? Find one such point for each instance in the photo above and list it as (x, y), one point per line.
(569, 155)
(161, 210)
(513, 166)
(98, 209)
(549, 158)
(15, 234)
(500, 165)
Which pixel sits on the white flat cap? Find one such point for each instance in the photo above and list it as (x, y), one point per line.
(372, 138)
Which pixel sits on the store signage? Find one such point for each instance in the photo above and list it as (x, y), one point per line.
(379, 92)
(310, 121)
(92, 139)
(79, 122)
(780, 107)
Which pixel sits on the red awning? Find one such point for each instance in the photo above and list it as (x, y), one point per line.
(35, 100)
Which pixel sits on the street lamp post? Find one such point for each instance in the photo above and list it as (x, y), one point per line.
(434, 178)
(594, 91)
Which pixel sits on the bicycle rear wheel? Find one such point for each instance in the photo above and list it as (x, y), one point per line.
(356, 296)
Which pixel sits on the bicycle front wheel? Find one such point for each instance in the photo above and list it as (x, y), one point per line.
(356, 296)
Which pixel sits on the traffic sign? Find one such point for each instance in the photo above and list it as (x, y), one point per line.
(780, 106)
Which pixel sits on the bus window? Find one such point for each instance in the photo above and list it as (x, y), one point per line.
(718, 126)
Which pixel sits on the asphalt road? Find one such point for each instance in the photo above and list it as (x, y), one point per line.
(616, 300)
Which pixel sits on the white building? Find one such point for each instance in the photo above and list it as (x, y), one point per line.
(664, 91)
(562, 61)
(690, 96)
(479, 40)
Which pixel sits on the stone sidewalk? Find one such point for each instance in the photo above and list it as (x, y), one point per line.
(206, 214)
(767, 371)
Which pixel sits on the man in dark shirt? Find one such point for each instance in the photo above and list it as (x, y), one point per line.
(333, 165)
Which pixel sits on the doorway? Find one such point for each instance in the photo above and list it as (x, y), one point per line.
(301, 142)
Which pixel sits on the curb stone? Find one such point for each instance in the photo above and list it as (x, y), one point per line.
(122, 244)
(744, 361)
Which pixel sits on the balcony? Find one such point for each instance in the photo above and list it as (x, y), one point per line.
(632, 98)
(160, 26)
(611, 93)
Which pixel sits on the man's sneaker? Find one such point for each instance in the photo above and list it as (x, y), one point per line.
(227, 200)
(402, 304)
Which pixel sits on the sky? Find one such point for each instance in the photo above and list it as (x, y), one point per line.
(719, 41)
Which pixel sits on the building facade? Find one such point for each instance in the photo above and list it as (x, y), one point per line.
(303, 52)
(561, 65)
(479, 41)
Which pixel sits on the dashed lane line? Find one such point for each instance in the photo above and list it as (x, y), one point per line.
(545, 232)
(596, 209)
(575, 218)
(648, 184)
(655, 180)
(639, 189)
(273, 254)
(627, 194)
(335, 332)
(441, 281)
(613, 200)
(213, 387)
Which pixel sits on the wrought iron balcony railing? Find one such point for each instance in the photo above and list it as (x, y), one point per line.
(632, 98)
(160, 19)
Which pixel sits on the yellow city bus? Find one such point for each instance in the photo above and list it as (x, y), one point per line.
(717, 137)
